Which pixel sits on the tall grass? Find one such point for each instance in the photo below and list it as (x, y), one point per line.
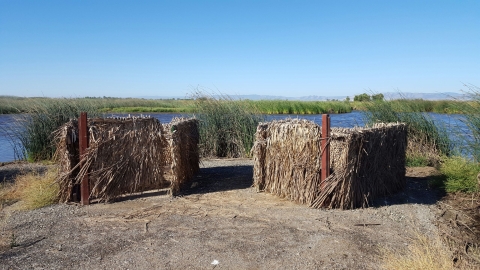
(420, 105)
(21, 105)
(147, 110)
(300, 107)
(426, 140)
(471, 110)
(10, 104)
(226, 127)
(34, 128)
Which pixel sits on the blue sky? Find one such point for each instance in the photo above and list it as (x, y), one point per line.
(287, 48)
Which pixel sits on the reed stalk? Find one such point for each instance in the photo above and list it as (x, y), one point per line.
(471, 110)
(226, 127)
(34, 129)
(426, 139)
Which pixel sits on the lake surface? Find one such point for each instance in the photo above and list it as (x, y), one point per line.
(347, 120)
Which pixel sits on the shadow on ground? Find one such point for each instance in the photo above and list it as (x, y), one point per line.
(216, 179)
(213, 179)
(10, 171)
(226, 178)
(417, 191)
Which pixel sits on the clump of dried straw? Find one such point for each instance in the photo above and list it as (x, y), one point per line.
(126, 156)
(366, 163)
(182, 136)
(287, 159)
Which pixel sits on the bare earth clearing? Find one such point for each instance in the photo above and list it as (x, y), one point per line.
(220, 218)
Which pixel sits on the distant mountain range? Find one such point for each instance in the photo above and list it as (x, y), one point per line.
(388, 96)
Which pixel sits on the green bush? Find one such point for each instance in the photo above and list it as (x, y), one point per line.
(377, 97)
(362, 98)
(458, 175)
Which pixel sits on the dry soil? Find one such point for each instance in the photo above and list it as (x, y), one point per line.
(221, 222)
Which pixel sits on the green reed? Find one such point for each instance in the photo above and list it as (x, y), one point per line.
(15, 105)
(426, 139)
(419, 105)
(34, 129)
(227, 127)
(299, 107)
(471, 110)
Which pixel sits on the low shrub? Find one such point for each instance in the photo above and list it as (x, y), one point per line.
(458, 175)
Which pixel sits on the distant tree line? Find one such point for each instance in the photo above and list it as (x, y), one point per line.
(365, 97)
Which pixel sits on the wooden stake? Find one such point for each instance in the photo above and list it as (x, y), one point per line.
(325, 148)
(83, 145)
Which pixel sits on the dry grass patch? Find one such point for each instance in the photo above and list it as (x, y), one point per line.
(422, 253)
(34, 189)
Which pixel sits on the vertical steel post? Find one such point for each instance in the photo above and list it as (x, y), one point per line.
(83, 145)
(325, 148)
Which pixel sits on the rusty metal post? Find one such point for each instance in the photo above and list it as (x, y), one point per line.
(83, 145)
(325, 148)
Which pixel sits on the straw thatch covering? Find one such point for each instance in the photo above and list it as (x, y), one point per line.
(183, 137)
(366, 163)
(126, 156)
(286, 159)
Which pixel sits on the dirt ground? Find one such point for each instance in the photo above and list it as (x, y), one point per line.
(221, 222)
(458, 221)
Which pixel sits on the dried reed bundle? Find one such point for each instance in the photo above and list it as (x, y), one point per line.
(183, 137)
(66, 140)
(287, 159)
(128, 155)
(372, 165)
(366, 163)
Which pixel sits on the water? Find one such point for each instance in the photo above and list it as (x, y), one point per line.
(346, 120)
(6, 148)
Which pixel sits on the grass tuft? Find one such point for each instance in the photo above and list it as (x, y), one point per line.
(422, 254)
(34, 189)
(416, 161)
